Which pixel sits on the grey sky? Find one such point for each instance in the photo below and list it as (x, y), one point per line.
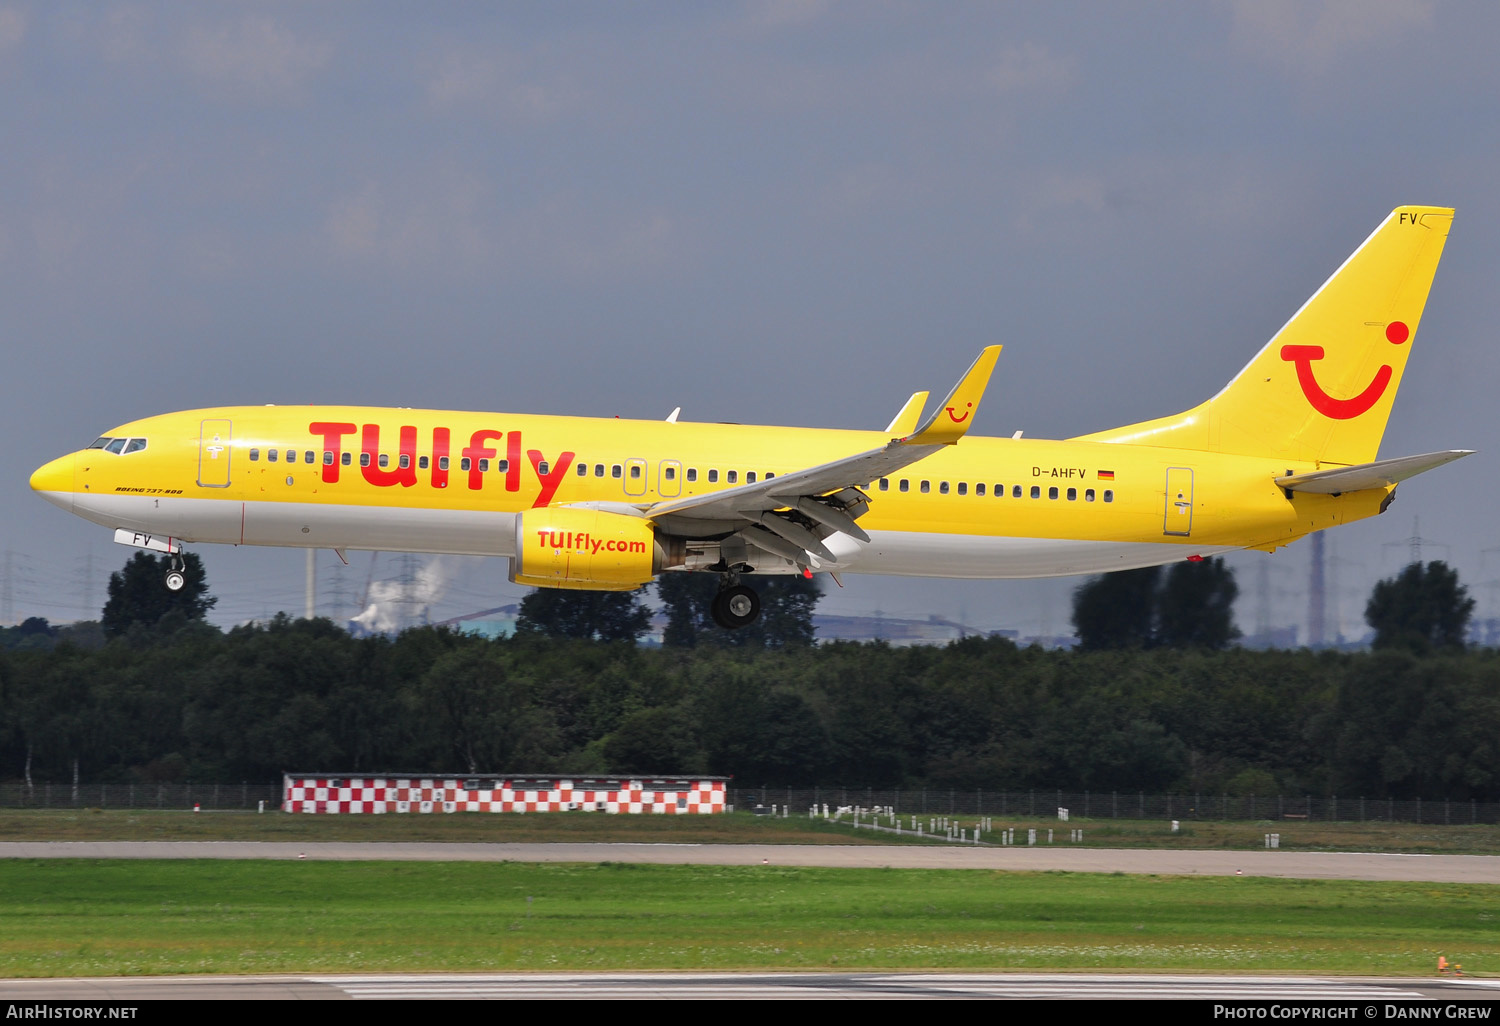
(783, 212)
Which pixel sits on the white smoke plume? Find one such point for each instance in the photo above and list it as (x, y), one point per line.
(403, 601)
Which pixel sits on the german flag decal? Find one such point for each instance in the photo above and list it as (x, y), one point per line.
(1106, 475)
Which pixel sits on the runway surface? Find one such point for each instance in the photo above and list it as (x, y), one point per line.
(746, 986)
(1302, 865)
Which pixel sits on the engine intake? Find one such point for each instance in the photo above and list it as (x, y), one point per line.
(586, 549)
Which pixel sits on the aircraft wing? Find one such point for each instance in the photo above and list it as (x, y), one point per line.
(1379, 474)
(790, 514)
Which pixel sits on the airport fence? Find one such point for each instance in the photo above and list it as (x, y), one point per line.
(1038, 804)
(40, 795)
(1046, 804)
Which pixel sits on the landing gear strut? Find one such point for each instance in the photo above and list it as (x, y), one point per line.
(735, 606)
(175, 578)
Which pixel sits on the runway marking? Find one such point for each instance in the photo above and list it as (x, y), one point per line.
(650, 986)
(802, 985)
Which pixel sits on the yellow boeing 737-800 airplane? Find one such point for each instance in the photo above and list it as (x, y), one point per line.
(1288, 447)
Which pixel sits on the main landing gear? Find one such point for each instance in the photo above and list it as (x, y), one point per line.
(735, 606)
(175, 578)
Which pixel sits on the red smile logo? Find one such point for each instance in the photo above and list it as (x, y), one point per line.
(955, 417)
(1342, 409)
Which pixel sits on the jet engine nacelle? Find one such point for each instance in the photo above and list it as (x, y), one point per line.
(587, 549)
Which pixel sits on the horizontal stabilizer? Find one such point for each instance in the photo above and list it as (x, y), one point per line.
(1380, 474)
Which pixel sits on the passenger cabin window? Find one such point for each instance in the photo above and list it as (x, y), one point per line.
(364, 459)
(541, 468)
(598, 470)
(327, 457)
(885, 484)
(464, 464)
(404, 461)
(926, 487)
(254, 455)
(904, 486)
(421, 462)
(731, 476)
(583, 470)
(309, 457)
(484, 464)
(1109, 495)
(713, 477)
(501, 465)
(442, 462)
(385, 459)
(346, 458)
(943, 488)
(635, 472)
(963, 488)
(750, 477)
(616, 471)
(671, 473)
(1072, 494)
(1052, 492)
(979, 490)
(1015, 492)
(270, 455)
(1088, 495)
(692, 475)
(1036, 491)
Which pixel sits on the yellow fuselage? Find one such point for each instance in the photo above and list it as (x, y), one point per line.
(451, 482)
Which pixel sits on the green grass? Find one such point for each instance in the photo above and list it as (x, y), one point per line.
(127, 917)
(740, 828)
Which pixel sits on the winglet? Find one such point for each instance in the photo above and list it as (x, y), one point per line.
(905, 422)
(953, 415)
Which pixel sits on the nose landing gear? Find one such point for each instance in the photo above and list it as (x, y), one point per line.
(175, 578)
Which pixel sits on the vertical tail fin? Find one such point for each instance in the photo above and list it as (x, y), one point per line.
(1321, 390)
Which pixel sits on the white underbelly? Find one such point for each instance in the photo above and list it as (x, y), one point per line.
(914, 554)
(307, 525)
(489, 533)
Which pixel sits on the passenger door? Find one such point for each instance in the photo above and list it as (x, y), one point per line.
(1179, 512)
(213, 453)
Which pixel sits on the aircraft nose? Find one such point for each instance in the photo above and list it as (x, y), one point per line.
(55, 481)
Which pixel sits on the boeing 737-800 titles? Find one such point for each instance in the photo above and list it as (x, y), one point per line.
(1288, 447)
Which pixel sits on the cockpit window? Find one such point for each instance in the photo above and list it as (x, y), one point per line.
(101, 443)
(116, 445)
(135, 445)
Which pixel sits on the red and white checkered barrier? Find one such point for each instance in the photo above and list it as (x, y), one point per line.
(459, 794)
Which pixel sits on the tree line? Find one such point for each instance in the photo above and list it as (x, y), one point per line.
(197, 704)
(173, 698)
